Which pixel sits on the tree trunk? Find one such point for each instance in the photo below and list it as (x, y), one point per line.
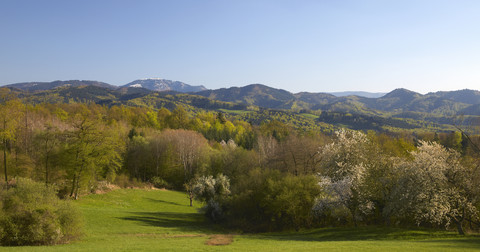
(460, 228)
(26, 128)
(354, 219)
(76, 187)
(74, 181)
(190, 193)
(387, 221)
(46, 170)
(73, 184)
(5, 159)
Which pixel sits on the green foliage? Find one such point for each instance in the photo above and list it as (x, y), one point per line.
(161, 220)
(364, 122)
(158, 182)
(81, 136)
(93, 150)
(234, 162)
(33, 215)
(269, 200)
(10, 113)
(291, 119)
(435, 187)
(125, 181)
(401, 109)
(212, 191)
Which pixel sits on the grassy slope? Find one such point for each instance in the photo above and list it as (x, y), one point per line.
(138, 220)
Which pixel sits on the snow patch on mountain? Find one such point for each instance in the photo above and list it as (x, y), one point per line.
(158, 84)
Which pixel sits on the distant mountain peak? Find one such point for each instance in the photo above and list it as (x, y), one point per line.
(358, 93)
(402, 93)
(159, 84)
(467, 96)
(253, 94)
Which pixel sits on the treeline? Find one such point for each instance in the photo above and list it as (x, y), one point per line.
(351, 179)
(254, 177)
(75, 145)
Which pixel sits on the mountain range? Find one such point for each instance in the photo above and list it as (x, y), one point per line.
(40, 86)
(346, 108)
(397, 101)
(154, 84)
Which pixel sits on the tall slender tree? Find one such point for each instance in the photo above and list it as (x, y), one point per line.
(93, 147)
(10, 112)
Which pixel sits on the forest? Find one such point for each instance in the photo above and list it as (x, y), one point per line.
(250, 175)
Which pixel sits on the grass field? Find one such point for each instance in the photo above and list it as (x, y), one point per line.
(236, 112)
(311, 116)
(156, 220)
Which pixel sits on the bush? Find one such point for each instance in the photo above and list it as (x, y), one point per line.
(159, 182)
(267, 200)
(123, 181)
(212, 191)
(32, 214)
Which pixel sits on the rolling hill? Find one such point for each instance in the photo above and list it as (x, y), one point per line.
(254, 94)
(401, 108)
(397, 101)
(153, 84)
(41, 86)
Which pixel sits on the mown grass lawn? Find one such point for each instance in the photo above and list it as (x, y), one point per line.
(156, 220)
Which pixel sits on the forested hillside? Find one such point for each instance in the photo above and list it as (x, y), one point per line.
(397, 111)
(40, 86)
(255, 169)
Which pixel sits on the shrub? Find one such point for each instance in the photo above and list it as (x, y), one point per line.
(32, 214)
(212, 191)
(123, 181)
(270, 200)
(158, 182)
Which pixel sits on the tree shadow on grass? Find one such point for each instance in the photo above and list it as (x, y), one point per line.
(165, 202)
(185, 222)
(197, 223)
(470, 242)
(376, 234)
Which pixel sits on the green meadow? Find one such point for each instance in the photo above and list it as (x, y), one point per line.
(159, 220)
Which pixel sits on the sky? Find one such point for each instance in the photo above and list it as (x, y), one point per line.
(296, 45)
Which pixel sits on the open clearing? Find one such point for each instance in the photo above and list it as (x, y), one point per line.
(158, 220)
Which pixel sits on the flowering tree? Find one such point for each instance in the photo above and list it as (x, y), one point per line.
(435, 187)
(212, 191)
(344, 163)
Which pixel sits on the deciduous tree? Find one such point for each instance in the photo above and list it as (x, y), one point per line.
(344, 164)
(10, 112)
(435, 187)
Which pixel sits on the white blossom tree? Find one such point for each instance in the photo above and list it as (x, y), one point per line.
(434, 187)
(344, 163)
(212, 191)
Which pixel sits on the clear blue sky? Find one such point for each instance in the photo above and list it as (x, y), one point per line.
(295, 45)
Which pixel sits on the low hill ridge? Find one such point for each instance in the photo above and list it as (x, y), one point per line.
(40, 86)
